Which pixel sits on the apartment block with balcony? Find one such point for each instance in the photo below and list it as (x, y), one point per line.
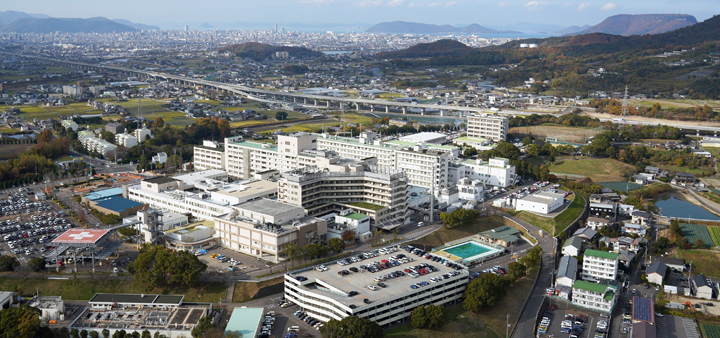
(599, 265)
(496, 172)
(211, 155)
(598, 297)
(375, 191)
(489, 126)
(126, 140)
(326, 295)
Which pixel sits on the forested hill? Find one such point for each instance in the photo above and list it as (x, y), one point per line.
(640, 24)
(432, 49)
(49, 25)
(261, 51)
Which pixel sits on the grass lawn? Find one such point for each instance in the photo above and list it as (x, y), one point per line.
(461, 323)
(598, 169)
(247, 291)
(563, 133)
(560, 222)
(248, 123)
(84, 289)
(366, 205)
(704, 262)
(148, 105)
(7, 130)
(210, 102)
(445, 235)
(165, 115)
(181, 122)
(14, 150)
(676, 169)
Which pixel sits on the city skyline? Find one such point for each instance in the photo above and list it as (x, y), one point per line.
(357, 16)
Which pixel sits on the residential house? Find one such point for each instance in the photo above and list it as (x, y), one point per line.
(596, 223)
(641, 217)
(632, 228)
(625, 209)
(586, 233)
(567, 271)
(702, 287)
(604, 209)
(641, 179)
(625, 257)
(572, 246)
(677, 264)
(683, 179)
(656, 272)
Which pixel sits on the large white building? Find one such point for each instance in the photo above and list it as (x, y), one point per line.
(93, 144)
(495, 172)
(543, 202)
(470, 190)
(379, 192)
(69, 124)
(325, 295)
(126, 140)
(142, 133)
(490, 126)
(595, 296)
(599, 265)
(211, 155)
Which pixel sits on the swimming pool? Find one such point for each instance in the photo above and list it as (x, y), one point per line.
(471, 250)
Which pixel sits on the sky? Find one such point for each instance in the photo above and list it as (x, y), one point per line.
(255, 14)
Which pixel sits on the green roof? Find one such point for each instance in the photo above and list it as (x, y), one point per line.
(366, 205)
(601, 254)
(501, 232)
(609, 295)
(356, 216)
(588, 286)
(469, 139)
(245, 320)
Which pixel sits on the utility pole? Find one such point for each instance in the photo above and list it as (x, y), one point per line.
(507, 330)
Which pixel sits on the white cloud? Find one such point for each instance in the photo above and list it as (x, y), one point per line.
(434, 4)
(317, 2)
(608, 6)
(450, 4)
(504, 4)
(369, 3)
(413, 4)
(533, 5)
(395, 3)
(583, 6)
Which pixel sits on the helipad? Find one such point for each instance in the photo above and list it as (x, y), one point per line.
(81, 236)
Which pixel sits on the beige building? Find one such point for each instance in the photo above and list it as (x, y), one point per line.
(490, 126)
(375, 191)
(211, 155)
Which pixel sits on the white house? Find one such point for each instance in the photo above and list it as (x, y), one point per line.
(543, 202)
(655, 273)
(572, 246)
(567, 271)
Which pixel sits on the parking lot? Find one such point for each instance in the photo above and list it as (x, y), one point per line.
(565, 321)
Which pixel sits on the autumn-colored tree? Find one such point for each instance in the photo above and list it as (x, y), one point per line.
(45, 137)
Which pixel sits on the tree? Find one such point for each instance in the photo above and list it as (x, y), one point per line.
(435, 315)
(74, 333)
(352, 327)
(119, 334)
(483, 292)
(348, 235)
(21, 321)
(36, 264)
(8, 263)
(94, 334)
(418, 318)
(699, 243)
(108, 136)
(336, 244)
(204, 324)
(106, 333)
(281, 115)
(158, 123)
(158, 266)
(45, 137)
(146, 334)
(533, 150)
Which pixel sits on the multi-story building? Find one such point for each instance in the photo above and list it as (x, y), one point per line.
(142, 133)
(326, 295)
(211, 155)
(599, 297)
(599, 265)
(489, 126)
(126, 140)
(69, 124)
(496, 172)
(94, 144)
(379, 192)
(262, 227)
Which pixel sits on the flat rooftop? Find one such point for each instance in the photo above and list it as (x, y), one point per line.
(268, 207)
(136, 298)
(247, 189)
(160, 180)
(360, 280)
(245, 320)
(194, 177)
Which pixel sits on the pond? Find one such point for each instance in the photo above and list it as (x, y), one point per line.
(673, 207)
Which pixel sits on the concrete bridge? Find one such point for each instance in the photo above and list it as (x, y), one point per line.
(317, 101)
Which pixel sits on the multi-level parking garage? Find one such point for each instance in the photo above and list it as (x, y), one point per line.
(381, 286)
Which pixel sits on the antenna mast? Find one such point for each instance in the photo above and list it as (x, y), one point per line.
(625, 104)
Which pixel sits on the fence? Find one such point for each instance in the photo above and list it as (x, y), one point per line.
(527, 232)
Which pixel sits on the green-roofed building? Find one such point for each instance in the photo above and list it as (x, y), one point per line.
(600, 297)
(599, 265)
(503, 236)
(245, 320)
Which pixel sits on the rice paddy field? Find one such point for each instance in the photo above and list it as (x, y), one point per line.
(621, 186)
(694, 231)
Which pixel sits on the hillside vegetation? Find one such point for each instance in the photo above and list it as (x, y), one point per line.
(261, 51)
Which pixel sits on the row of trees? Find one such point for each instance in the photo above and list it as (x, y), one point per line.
(460, 216)
(312, 251)
(352, 327)
(431, 316)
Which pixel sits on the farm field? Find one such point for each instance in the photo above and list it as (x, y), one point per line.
(566, 134)
(704, 262)
(599, 170)
(694, 231)
(621, 186)
(14, 150)
(148, 105)
(710, 331)
(715, 234)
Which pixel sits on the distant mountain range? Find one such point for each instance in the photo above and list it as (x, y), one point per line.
(260, 51)
(572, 30)
(20, 22)
(640, 24)
(402, 27)
(138, 26)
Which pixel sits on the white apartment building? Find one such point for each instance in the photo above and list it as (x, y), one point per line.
(126, 140)
(490, 126)
(211, 155)
(375, 191)
(543, 202)
(326, 295)
(142, 133)
(69, 124)
(469, 190)
(599, 265)
(262, 227)
(594, 296)
(496, 172)
(91, 143)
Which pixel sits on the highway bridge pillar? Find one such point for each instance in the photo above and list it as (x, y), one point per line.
(442, 112)
(328, 103)
(422, 111)
(404, 109)
(357, 106)
(315, 101)
(304, 100)
(294, 99)
(387, 109)
(372, 108)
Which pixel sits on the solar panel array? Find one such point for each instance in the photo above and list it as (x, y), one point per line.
(642, 309)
